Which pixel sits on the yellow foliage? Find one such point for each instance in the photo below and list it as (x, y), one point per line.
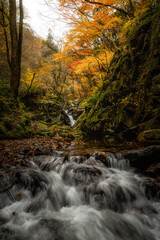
(96, 33)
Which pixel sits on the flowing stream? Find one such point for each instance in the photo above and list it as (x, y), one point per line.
(77, 197)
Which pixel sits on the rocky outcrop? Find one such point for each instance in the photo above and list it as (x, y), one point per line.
(128, 105)
(75, 109)
(51, 111)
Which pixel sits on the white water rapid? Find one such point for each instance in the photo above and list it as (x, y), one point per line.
(65, 197)
(72, 121)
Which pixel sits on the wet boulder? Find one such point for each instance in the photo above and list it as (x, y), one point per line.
(13, 183)
(8, 234)
(43, 150)
(6, 182)
(86, 174)
(152, 189)
(142, 159)
(31, 180)
(102, 157)
(153, 170)
(80, 174)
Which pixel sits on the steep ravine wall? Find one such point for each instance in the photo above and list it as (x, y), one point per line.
(128, 105)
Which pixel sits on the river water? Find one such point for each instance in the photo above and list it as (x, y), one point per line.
(87, 196)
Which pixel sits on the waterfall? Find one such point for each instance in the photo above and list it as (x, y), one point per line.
(77, 197)
(72, 121)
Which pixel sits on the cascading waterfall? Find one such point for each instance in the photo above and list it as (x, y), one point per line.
(62, 197)
(72, 121)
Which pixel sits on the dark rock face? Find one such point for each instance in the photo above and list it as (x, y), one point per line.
(152, 189)
(153, 170)
(64, 118)
(142, 159)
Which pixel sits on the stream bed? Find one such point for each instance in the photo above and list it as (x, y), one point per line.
(71, 195)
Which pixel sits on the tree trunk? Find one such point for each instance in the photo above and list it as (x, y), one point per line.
(16, 46)
(4, 25)
(20, 35)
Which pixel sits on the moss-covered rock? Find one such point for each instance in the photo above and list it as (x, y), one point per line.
(35, 118)
(150, 136)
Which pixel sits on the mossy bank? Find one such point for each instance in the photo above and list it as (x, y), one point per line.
(43, 117)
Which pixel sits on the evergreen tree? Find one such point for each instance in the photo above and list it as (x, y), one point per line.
(50, 44)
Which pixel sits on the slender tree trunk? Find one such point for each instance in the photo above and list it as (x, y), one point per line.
(20, 35)
(15, 78)
(16, 46)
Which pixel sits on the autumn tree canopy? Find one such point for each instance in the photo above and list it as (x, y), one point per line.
(80, 67)
(96, 33)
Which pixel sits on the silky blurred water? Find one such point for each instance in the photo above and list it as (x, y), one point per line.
(78, 198)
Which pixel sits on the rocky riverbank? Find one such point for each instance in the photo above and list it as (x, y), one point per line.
(15, 151)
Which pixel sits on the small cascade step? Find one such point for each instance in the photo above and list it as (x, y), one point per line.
(72, 121)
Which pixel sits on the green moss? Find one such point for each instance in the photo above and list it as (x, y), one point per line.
(92, 100)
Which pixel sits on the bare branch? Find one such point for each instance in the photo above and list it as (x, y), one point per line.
(130, 14)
